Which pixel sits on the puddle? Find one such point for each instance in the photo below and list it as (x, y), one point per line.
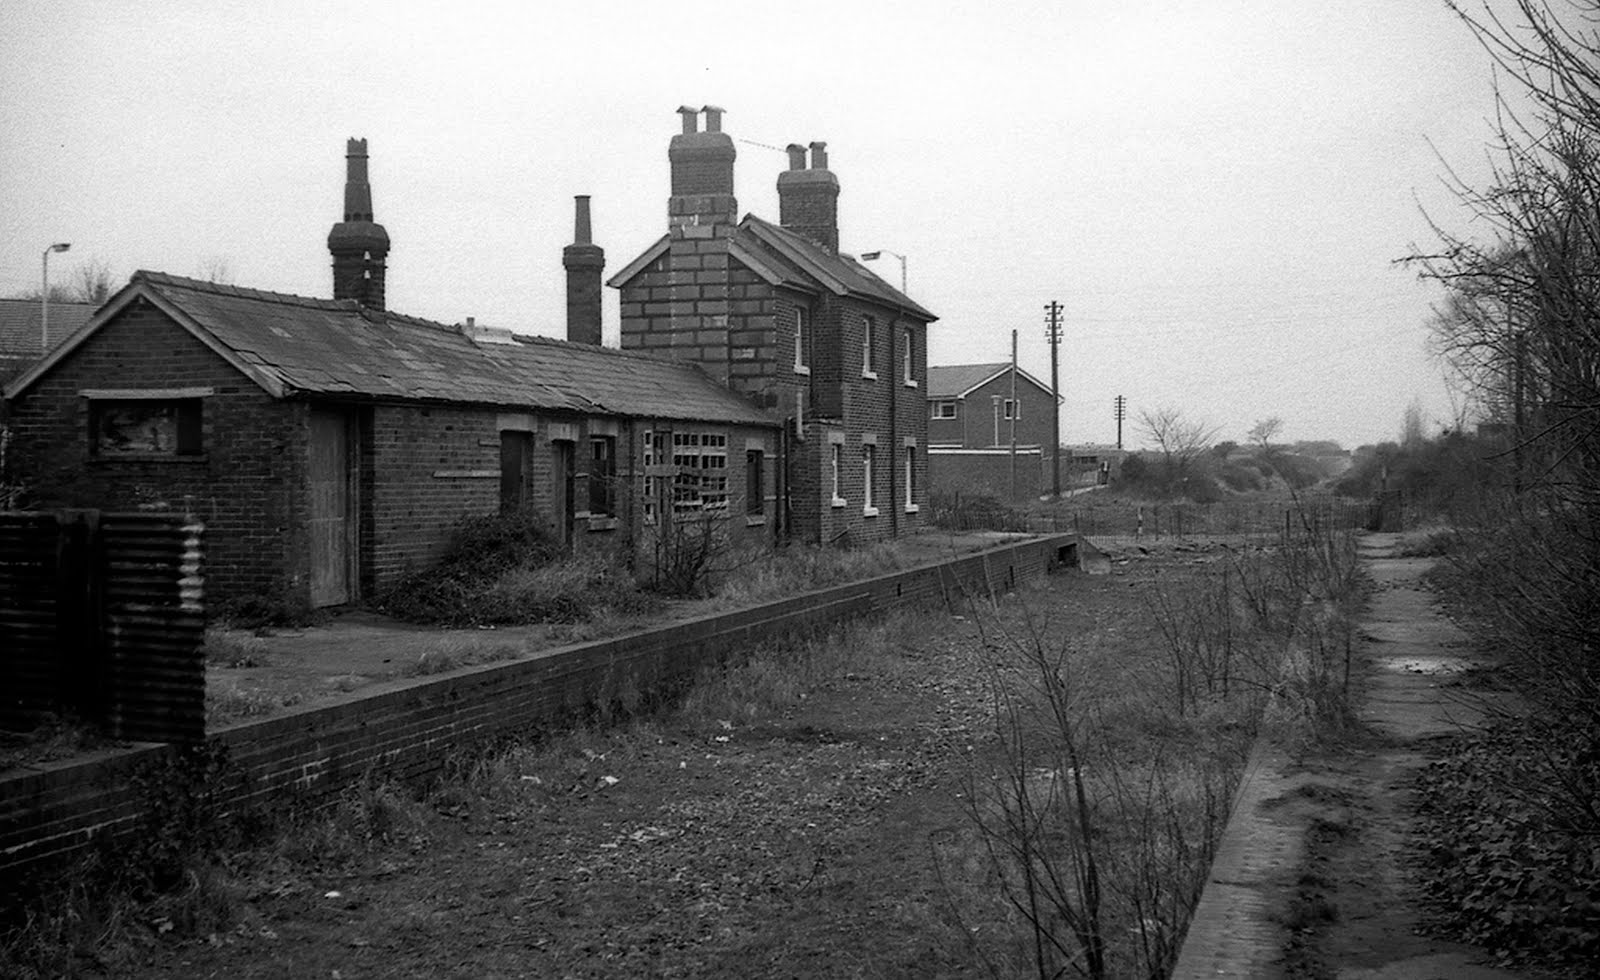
(1429, 665)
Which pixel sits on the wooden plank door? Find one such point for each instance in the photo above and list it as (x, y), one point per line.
(516, 460)
(332, 520)
(563, 475)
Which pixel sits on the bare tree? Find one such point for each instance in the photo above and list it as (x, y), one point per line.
(1180, 440)
(90, 282)
(1263, 432)
(1521, 333)
(216, 268)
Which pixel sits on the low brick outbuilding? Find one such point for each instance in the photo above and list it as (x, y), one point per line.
(330, 446)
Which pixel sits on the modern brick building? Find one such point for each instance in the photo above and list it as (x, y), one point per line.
(330, 445)
(975, 414)
(804, 331)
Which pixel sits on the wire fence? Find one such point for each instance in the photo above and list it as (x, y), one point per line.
(1091, 515)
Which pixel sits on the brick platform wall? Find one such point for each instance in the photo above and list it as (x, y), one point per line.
(408, 729)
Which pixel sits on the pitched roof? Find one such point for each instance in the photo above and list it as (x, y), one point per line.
(19, 325)
(784, 258)
(296, 345)
(959, 380)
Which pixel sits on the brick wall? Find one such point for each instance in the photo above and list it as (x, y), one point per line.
(246, 484)
(987, 473)
(1033, 424)
(409, 729)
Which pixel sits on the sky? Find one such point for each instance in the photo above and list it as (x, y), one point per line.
(1216, 191)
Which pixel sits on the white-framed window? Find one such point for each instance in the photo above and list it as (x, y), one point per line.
(869, 341)
(1006, 407)
(942, 410)
(869, 456)
(911, 479)
(695, 473)
(802, 342)
(908, 358)
(836, 474)
(655, 456)
(701, 459)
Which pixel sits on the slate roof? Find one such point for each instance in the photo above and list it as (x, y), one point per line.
(784, 258)
(958, 380)
(19, 325)
(297, 345)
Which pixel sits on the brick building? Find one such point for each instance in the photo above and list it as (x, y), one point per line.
(975, 412)
(806, 332)
(330, 445)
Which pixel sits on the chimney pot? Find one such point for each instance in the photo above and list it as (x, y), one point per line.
(713, 118)
(819, 156)
(691, 119)
(583, 261)
(582, 234)
(797, 156)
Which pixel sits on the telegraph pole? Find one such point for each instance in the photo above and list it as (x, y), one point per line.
(1121, 404)
(1052, 333)
(1014, 407)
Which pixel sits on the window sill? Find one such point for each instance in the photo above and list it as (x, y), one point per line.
(603, 523)
(869, 375)
(869, 512)
(910, 383)
(913, 508)
(802, 369)
(755, 520)
(840, 502)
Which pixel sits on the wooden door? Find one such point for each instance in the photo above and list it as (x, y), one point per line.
(563, 473)
(332, 511)
(516, 460)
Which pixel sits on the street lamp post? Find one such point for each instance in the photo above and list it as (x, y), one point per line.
(872, 256)
(44, 296)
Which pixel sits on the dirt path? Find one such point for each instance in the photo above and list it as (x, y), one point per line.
(1315, 877)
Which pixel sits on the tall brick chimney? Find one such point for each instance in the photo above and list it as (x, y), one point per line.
(702, 174)
(808, 199)
(583, 260)
(359, 244)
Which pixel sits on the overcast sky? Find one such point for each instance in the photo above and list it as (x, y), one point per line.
(1216, 190)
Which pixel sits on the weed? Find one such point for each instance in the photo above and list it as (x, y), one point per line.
(234, 648)
(55, 736)
(453, 653)
(229, 702)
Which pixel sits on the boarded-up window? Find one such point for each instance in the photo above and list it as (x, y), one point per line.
(145, 427)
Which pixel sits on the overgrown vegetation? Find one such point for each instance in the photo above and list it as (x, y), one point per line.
(1111, 782)
(1515, 808)
(503, 569)
(768, 805)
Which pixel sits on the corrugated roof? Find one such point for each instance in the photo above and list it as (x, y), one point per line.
(296, 344)
(956, 380)
(19, 325)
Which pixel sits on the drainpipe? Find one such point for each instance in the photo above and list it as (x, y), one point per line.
(896, 379)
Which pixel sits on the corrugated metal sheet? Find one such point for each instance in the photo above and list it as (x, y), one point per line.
(334, 347)
(103, 615)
